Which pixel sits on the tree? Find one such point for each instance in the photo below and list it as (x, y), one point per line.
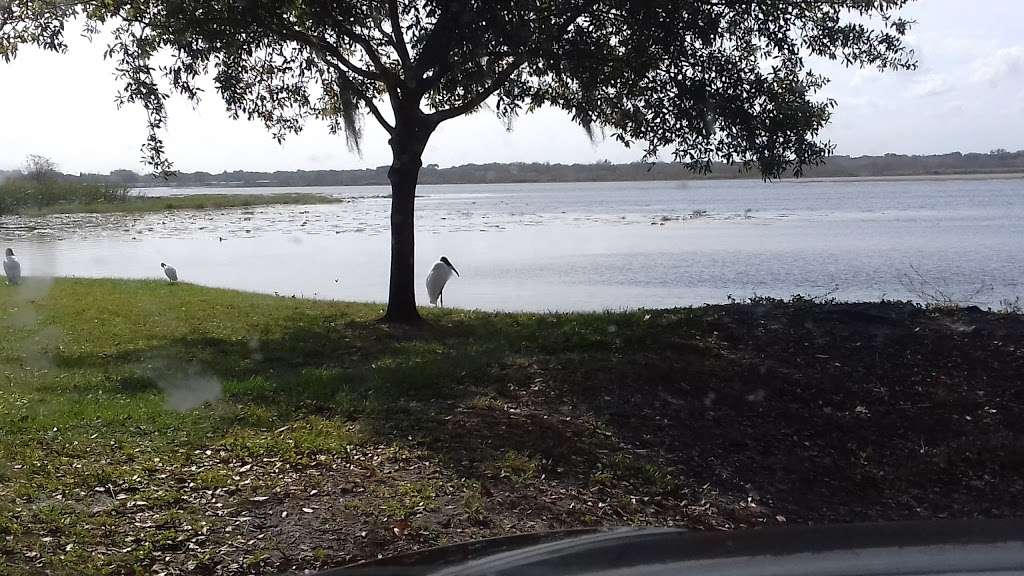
(39, 168)
(705, 80)
(125, 177)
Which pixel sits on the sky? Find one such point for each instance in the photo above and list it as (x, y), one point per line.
(966, 95)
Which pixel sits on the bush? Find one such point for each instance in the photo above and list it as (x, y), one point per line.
(18, 195)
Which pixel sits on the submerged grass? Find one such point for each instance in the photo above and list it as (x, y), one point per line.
(145, 425)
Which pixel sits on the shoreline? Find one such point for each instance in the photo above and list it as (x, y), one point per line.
(789, 180)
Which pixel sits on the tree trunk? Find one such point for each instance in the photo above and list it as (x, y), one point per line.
(407, 149)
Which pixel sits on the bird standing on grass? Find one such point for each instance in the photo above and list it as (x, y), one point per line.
(171, 273)
(12, 268)
(438, 277)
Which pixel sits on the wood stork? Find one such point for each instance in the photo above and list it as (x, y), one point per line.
(12, 268)
(171, 273)
(437, 278)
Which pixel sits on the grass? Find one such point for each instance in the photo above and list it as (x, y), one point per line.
(146, 425)
(19, 196)
(28, 198)
(138, 204)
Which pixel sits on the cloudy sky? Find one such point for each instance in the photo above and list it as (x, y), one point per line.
(967, 95)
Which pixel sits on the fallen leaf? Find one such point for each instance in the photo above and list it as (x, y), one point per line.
(401, 527)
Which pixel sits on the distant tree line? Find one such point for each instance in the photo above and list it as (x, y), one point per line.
(994, 162)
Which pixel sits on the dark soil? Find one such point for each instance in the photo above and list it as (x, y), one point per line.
(741, 416)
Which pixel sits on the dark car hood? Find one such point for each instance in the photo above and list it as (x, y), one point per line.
(921, 548)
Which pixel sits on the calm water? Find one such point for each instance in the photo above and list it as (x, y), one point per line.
(576, 246)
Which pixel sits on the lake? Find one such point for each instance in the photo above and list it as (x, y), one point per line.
(576, 246)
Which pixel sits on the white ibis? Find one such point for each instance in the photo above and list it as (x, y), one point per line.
(171, 273)
(12, 268)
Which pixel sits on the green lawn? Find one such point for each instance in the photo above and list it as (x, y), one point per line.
(147, 426)
(137, 204)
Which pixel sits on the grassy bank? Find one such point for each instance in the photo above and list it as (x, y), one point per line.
(89, 198)
(180, 428)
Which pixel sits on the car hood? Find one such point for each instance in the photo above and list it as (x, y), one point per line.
(977, 547)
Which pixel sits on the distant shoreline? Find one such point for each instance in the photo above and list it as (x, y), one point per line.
(789, 180)
(955, 176)
(997, 163)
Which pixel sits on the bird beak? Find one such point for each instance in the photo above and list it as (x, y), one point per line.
(456, 271)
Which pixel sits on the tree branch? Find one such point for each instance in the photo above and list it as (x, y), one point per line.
(502, 77)
(430, 56)
(366, 98)
(376, 114)
(388, 76)
(396, 32)
(364, 43)
(482, 96)
(325, 49)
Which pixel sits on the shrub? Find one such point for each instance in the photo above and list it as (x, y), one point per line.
(18, 195)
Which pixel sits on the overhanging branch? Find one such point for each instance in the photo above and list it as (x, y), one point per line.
(482, 96)
(376, 114)
(366, 98)
(387, 75)
(326, 50)
(372, 107)
(433, 54)
(399, 37)
(502, 77)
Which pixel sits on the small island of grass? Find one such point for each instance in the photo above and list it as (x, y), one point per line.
(28, 197)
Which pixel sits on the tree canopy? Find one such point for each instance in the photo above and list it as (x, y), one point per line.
(701, 80)
(704, 80)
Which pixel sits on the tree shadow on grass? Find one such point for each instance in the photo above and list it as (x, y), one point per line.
(457, 391)
(756, 413)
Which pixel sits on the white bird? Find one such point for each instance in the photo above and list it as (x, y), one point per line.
(12, 268)
(171, 273)
(438, 277)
